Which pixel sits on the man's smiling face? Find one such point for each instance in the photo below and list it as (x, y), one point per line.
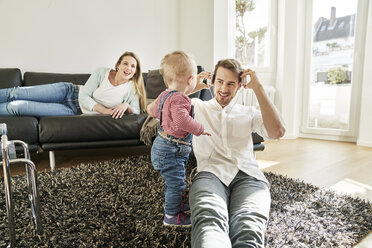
(226, 84)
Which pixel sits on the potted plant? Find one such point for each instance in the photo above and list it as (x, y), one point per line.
(337, 75)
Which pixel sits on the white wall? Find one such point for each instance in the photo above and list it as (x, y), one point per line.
(207, 30)
(196, 30)
(77, 36)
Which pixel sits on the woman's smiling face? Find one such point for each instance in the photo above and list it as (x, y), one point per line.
(127, 67)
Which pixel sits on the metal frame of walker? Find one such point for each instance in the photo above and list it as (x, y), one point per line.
(9, 157)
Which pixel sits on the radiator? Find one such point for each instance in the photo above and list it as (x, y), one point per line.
(248, 98)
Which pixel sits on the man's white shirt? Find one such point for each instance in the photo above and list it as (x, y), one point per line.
(230, 147)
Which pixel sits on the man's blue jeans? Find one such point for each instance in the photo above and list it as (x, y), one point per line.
(170, 158)
(42, 100)
(234, 216)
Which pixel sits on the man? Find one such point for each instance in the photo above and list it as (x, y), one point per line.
(230, 197)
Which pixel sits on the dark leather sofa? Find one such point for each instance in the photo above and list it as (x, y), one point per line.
(80, 131)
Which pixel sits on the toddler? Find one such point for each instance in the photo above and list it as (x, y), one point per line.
(172, 146)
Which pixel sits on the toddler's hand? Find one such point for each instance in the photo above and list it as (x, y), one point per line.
(203, 75)
(206, 133)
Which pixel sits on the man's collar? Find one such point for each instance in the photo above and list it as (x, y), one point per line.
(227, 108)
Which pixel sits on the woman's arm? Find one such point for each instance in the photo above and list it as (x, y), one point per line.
(120, 110)
(130, 105)
(86, 91)
(102, 110)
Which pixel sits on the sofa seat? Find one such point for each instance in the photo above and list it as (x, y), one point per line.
(89, 131)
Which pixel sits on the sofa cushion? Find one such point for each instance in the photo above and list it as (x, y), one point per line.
(89, 128)
(257, 142)
(10, 77)
(154, 84)
(22, 128)
(36, 78)
(206, 94)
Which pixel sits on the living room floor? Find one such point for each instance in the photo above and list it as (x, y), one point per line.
(341, 166)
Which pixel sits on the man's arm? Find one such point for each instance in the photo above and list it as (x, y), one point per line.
(271, 118)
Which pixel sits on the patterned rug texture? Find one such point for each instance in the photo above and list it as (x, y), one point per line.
(119, 203)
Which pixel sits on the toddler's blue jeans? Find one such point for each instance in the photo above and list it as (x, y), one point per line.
(170, 158)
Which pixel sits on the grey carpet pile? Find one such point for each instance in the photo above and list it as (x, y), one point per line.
(119, 203)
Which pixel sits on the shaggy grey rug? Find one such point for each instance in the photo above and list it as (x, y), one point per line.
(119, 203)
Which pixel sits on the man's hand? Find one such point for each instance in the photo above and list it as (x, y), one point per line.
(254, 82)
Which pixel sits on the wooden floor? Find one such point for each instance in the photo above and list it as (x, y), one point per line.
(323, 163)
(340, 166)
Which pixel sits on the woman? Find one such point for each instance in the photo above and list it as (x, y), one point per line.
(114, 92)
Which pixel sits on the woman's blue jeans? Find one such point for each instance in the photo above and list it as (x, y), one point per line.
(233, 216)
(170, 158)
(42, 100)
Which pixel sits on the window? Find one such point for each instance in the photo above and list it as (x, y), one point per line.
(255, 41)
(332, 80)
(329, 104)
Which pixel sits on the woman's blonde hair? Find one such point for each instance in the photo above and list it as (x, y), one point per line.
(137, 78)
(177, 67)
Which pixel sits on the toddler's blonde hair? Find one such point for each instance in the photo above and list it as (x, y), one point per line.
(177, 67)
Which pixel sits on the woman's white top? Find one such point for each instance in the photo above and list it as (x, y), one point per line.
(98, 89)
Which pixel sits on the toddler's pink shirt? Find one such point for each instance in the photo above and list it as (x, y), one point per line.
(176, 119)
